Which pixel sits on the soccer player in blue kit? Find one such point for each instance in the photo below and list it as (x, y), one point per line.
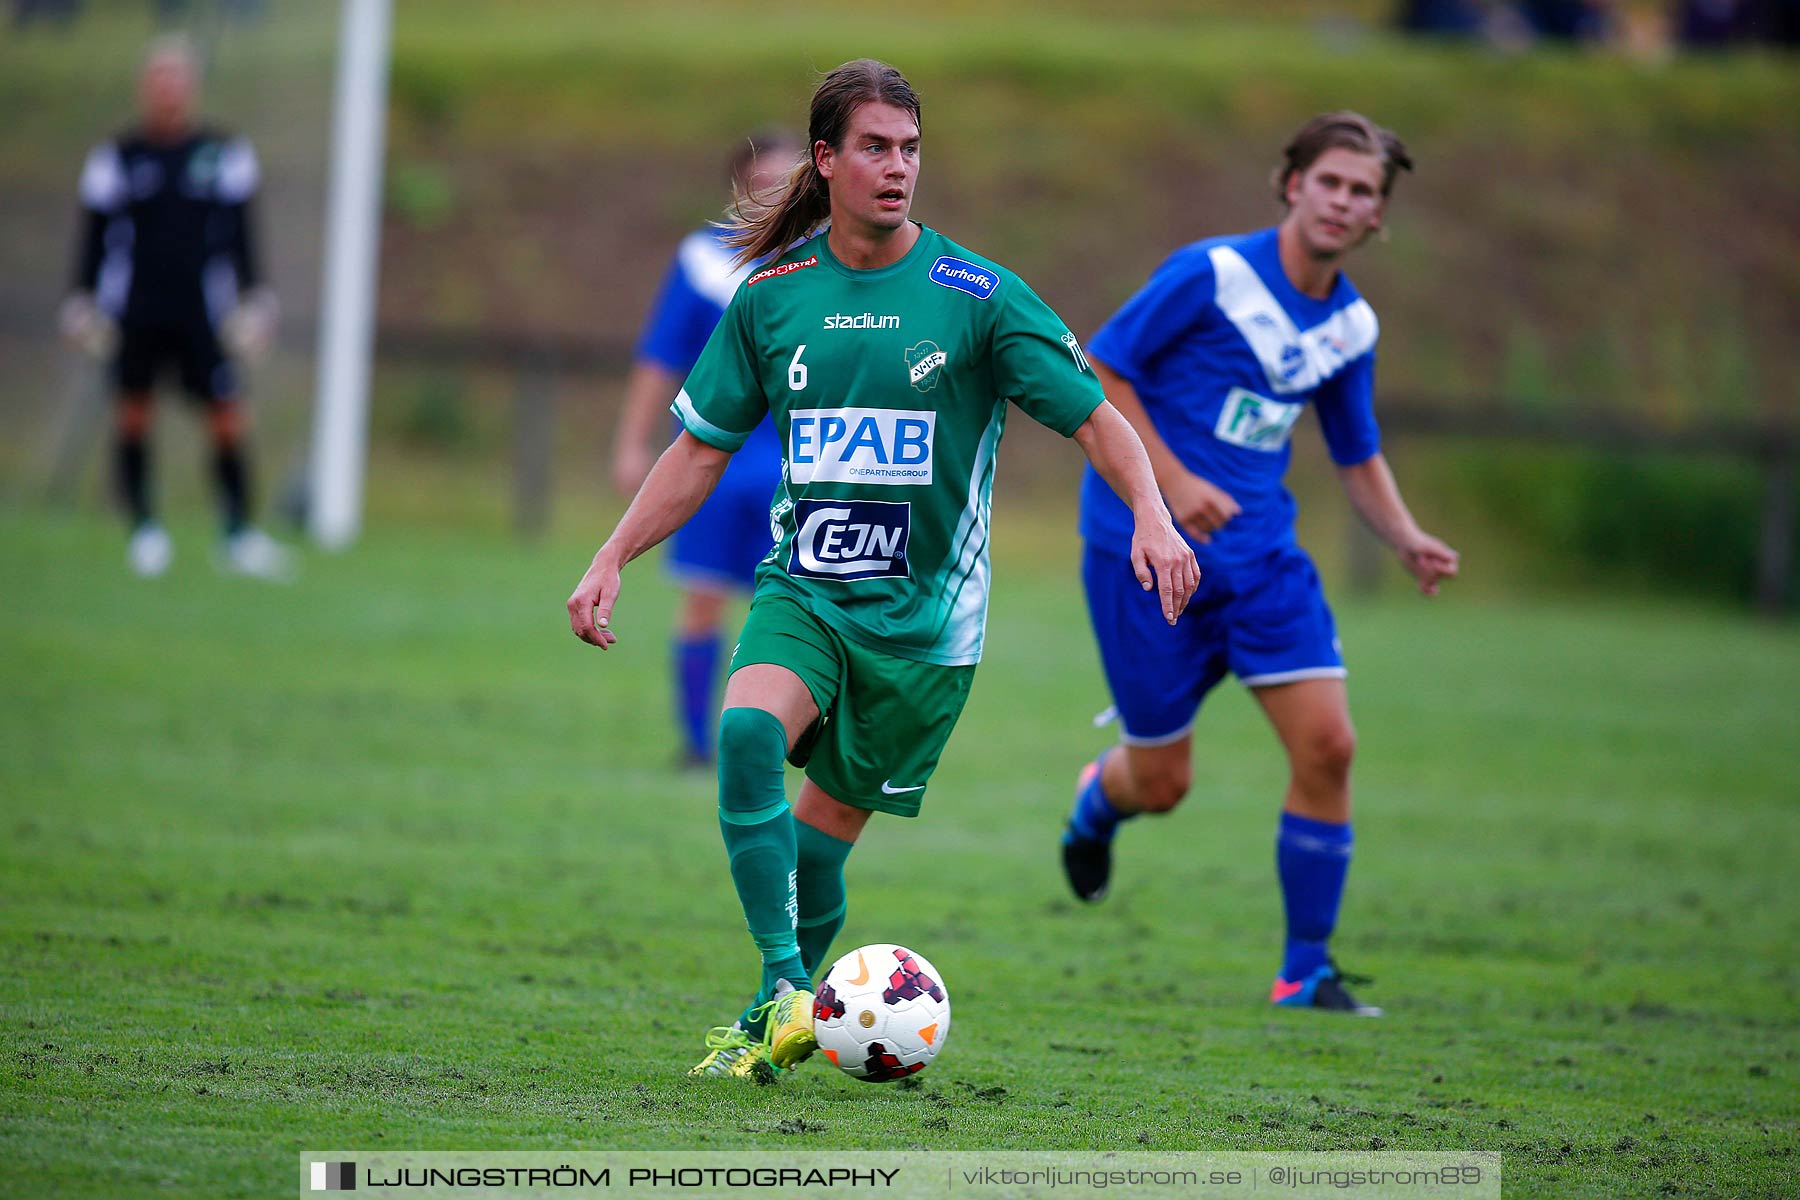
(715, 554)
(1213, 361)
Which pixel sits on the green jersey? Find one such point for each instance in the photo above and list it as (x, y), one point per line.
(889, 389)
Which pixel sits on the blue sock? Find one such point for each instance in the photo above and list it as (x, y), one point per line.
(1094, 819)
(1312, 858)
(696, 666)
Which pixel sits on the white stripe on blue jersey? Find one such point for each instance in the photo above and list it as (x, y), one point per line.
(1226, 354)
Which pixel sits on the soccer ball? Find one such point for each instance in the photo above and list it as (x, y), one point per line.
(881, 1013)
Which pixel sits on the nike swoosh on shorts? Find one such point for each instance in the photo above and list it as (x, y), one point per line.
(888, 788)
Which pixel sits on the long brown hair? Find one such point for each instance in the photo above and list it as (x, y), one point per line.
(805, 200)
(1341, 130)
(755, 145)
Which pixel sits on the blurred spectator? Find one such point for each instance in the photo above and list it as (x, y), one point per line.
(1716, 23)
(1709, 22)
(166, 275)
(1453, 18)
(1510, 24)
(1569, 20)
(1783, 27)
(59, 12)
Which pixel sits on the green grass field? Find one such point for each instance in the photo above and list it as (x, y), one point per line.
(387, 859)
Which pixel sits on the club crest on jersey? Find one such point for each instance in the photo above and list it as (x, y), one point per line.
(922, 363)
(850, 539)
(782, 269)
(964, 276)
(202, 169)
(1293, 360)
(890, 446)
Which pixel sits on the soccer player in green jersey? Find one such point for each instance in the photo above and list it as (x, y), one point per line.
(888, 356)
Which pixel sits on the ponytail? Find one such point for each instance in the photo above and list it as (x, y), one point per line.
(802, 208)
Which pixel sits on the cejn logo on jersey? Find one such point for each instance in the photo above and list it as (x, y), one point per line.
(782, 269)
(964, 276)
(1256, 422)
(850, 539)
(860, 445)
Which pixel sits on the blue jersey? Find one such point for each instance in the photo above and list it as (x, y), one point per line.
(1225, 354)
(698, 286)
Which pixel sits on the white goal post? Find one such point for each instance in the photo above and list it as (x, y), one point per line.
(351, 273)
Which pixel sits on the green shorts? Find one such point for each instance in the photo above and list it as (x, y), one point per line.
(883, 720)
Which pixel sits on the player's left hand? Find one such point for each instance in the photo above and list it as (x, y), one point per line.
(591, 604)
(1430, 561)
(1162, 559)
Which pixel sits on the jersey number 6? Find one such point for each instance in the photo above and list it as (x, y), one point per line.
(797, 372)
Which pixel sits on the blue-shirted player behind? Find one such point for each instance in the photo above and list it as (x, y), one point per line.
(716, 552)
(1213, 361)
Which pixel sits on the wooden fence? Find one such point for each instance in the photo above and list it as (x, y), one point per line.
(541, 365)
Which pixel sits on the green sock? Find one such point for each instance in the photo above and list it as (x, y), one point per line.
(821, 893)
(759, 837)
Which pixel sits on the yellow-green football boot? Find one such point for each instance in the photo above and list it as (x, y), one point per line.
(732, 1052)
(788, 1028)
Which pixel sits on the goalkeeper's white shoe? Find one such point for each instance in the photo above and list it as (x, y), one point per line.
(252, 552)
(150, 550)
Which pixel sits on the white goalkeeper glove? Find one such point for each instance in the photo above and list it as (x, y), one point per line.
(248, 330)
(86, 326)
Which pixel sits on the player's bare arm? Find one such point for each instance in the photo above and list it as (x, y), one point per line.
(1376, 497)
(1197, 505)
(648, 390)
(1159, 555)
(677, 485)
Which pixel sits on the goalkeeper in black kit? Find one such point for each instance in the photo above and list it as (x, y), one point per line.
(166, 276)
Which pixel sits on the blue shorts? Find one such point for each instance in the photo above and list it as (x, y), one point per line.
(1265, 622)
(722, 543)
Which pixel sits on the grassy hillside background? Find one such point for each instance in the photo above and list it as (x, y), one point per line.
(1587, 233)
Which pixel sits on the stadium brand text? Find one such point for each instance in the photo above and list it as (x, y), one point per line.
(782, 269)
(964, 276)
(850, 539)
(861, 445)
(861, 321)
